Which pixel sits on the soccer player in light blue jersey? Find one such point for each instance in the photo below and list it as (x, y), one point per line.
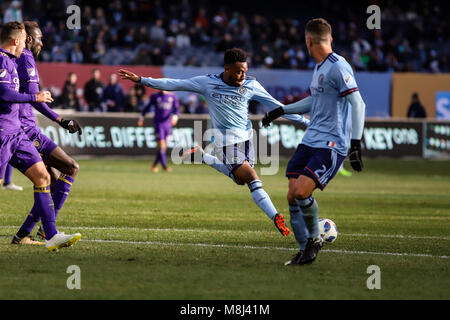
(337, 121)
(228, 95)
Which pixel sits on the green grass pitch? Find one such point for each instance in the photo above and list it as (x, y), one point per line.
(193, 234)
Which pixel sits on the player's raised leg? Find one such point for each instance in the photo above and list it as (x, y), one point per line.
(7, 183)
(246, 174)
(208, 159)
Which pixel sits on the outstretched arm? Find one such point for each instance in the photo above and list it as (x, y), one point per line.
(299, 107)
(192, 84)
(262, 96)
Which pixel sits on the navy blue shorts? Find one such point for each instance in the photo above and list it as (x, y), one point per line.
(233, 156)
(320, 164)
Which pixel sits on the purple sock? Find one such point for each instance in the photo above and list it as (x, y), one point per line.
(158, 159)
(162, 156)
(30, 221)
(8, 174)
(43, 204)
(61, 191)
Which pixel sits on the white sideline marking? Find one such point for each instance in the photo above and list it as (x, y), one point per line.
(179, 244)
(235, 246)
(398, 236)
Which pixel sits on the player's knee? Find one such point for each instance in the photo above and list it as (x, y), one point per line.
(74, 168)
(290, 197)
(42, 178)
(238, 181)
(301, 193)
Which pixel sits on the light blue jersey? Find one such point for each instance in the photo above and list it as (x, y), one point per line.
(227, 105)
(331, 118)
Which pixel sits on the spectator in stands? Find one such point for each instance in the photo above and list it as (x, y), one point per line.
(201, 18)
(403, 44)
(57, 98)
(129, 40)
(131, 103)
(192, 62)
(13, 12)
(76, 56)
(416, 109)
(143, 36)
(58, 54)
(142, 58)
(191, 103)
(157, 57)
(157, 32)
(113, 97)
(93, 90)
(140, 90)
(69, 95)
(100, 49)
(202, 108)
(182, 39)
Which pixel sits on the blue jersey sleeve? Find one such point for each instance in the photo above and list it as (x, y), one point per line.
(261, 95)
(196, 84)
(343, 79)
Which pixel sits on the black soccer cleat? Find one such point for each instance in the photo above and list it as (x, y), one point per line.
(295, 260)
(26, 240)
(312, 249)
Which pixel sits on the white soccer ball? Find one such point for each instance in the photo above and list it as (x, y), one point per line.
(328, 230)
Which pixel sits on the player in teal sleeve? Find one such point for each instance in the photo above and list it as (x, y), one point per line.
(228, 95)
(335, 130)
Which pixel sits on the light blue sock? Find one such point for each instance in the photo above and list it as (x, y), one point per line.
(216, 164)
(262, 199)
(310, 211)
(298, 225)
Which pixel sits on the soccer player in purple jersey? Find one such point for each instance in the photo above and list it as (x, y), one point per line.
(53, 156)
(7, 183)
(15, 146)
(166, 116)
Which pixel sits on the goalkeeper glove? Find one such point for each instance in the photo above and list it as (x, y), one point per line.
(271, 116)
(71, 125)
(355, 155)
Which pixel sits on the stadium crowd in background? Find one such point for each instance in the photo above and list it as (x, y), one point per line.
(407, 41)
(197, 32)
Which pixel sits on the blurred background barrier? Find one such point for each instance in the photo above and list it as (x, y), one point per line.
(118, 134)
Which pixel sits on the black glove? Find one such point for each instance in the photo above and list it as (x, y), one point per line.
(71, 125)
(355, 155)
(272, 115)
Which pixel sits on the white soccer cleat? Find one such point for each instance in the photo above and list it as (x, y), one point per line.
(11, 186)
(61, 240)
